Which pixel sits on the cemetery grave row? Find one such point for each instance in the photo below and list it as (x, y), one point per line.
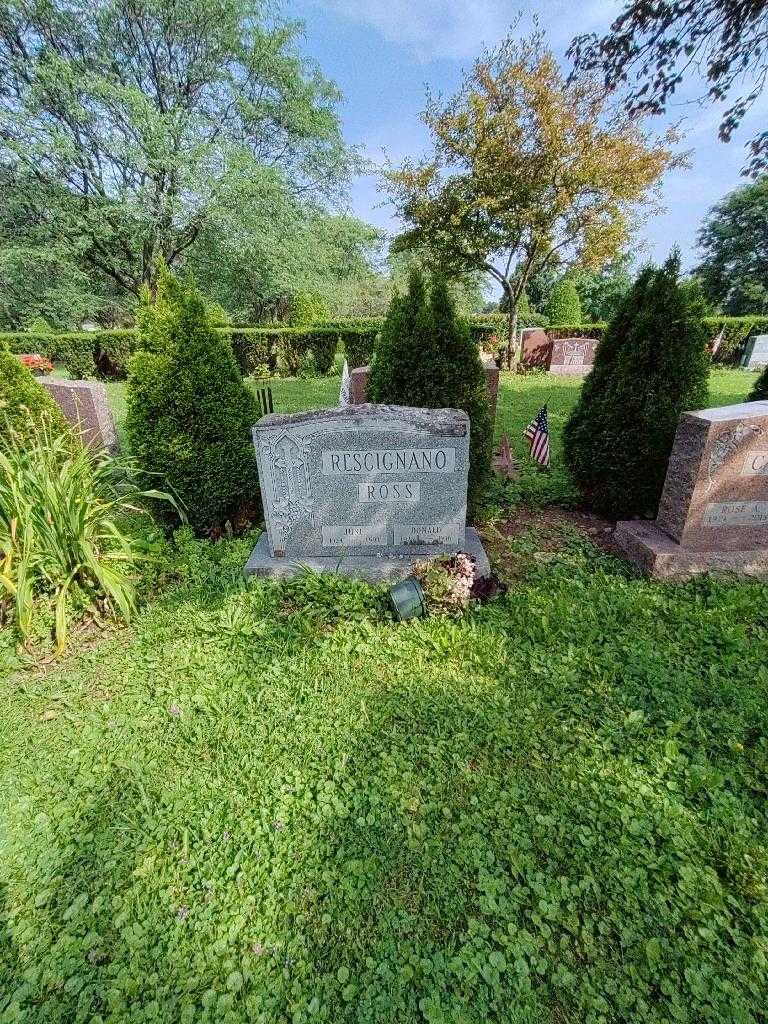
(368, 490)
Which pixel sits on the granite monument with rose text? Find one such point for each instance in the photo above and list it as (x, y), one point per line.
(713, 513)
(364, 490)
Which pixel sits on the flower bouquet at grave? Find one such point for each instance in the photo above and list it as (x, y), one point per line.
(451, 583)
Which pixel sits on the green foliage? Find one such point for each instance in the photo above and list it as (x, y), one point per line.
(359, 342)
(564, 306)
(730, 333)
(24, 403)
(322, 343)
(539, 288)
(81, 353)
(205, 108)
(77, 354)
(426, 358)
(308, 309)
(271, 804)
(497, 323)
(650, 366)
(62, 548)
(265, 246)
(578, 331)
(39, 325)
(189, 413)
(255, 349)
(734, 239)
(759, 392)
(601, 291)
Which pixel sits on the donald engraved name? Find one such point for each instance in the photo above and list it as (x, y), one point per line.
(389, 460)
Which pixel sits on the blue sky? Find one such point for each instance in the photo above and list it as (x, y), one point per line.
(383, 53)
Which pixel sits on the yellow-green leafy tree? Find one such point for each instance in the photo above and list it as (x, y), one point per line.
(529, 169)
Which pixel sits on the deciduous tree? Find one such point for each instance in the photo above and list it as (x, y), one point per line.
(527, 170)
(136, 121)
(657, 44)
(734, 240)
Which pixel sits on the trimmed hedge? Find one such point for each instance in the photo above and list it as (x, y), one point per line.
(735, 331)
(482, 326)
(264, 351)
(82, 353)
(596, 330)
(24, 402)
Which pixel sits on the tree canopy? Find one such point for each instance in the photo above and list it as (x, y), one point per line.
(601, 291)
(527, 169)
(657, 44)
(734, 241)
(127, 130)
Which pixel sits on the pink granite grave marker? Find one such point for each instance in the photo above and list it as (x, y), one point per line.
(713, 514)
(85, 405)
(536, 347)
(572, 355)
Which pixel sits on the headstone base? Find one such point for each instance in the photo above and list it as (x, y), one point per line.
(661, 558)
(373, 568)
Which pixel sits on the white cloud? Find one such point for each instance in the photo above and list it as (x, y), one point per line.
(458, 29)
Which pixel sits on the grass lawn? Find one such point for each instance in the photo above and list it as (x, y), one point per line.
(273, 804)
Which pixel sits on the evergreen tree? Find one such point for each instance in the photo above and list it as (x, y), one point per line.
(651, 365)
(759, 392)
(426, 359)
(564, 305)
(189, 412)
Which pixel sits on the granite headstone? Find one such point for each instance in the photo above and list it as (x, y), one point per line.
(491, 371)
(756, 352)
(713, 513)
(536, 347)
(365, 490)
(572, 355)
(85, 404)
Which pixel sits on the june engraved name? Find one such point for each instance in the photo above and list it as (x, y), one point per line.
(736, 513)
(372, 535)
(389, 460)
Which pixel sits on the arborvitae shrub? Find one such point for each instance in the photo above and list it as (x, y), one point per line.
(759, 392)
(24, 402)
(650, 366)
(564, 306)
(426, 358)
(189, 412)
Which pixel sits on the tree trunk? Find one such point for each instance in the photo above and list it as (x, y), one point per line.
(511, 353)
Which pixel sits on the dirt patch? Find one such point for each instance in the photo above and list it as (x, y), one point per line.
(551, 519)
(546, 532)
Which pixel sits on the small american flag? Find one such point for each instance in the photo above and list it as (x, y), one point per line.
(537, 435)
